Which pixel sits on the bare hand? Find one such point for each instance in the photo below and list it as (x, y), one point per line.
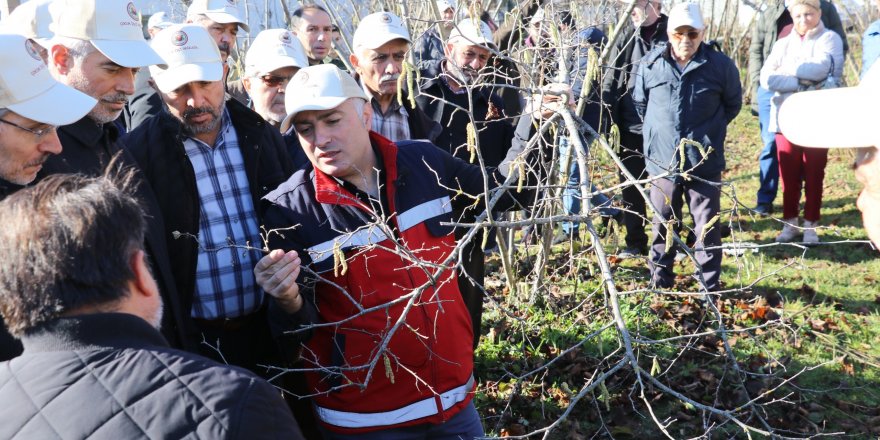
(276, 273)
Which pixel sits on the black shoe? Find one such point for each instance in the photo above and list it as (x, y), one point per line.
(763, 209)
(631, 252)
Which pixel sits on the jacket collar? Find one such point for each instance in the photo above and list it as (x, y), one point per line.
(698, 60)
(240, 115)
(116, 330)
(328, 190)
(7, 188)
(87, 132)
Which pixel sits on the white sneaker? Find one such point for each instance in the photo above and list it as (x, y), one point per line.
(810, 235)
(789, 232)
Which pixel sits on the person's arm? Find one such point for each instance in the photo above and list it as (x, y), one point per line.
(732, 98)
(756, 57)
(775, 77)
(870, 47)
(263, 414)
(640, 91)
(831, 20)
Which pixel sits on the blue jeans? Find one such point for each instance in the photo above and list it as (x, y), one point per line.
(571, 195)
(465, 425)
(769, 164)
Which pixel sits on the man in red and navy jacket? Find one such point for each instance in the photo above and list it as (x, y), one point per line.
(369, 250)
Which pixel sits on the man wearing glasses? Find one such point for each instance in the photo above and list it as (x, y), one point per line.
(209, 160)
(686, 93)
(32, 105)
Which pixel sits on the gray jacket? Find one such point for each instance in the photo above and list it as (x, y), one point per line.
(695, 104)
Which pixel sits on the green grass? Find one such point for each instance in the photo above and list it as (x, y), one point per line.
(808, 316)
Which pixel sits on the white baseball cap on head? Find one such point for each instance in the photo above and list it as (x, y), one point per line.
(469, 32)
(27, 88)
(112, 26)
(319, 87)
(31, 19)
(273, 49)
(685, 14)
(377, 29)
(835, 118)
(443, 5)
(220, 11)
(189, 53)
(159, 20)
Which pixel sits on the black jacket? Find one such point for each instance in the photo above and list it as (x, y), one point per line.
(157, 146)
(88, 148)
(627, 50)
(112, 376)
(9, 346)
(495, 133)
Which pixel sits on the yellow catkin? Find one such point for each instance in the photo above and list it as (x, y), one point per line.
(669, 235)
(410, 82)
(400, 82)
(340, 266)
(708, 226)
(388, 373)
(471, 141)
(614, 138)
(485, 239)
(521, 168)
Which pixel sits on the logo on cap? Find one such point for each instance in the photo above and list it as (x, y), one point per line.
(284, 37)
(303, 77)
(132, 11)
(231, 2)
(179, 38)
(31, 50)
(386, 18)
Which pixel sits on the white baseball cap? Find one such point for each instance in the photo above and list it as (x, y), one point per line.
(273, 49)
(31, 19)
(835, 118)
(377, 29)
(189, 53)
(112, 26)
(685, 14)
(443, 5)
(220, 11)
(469, 32)
(319, 87)
(27, 88)
(159, 20)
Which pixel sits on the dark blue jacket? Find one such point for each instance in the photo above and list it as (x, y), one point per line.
(695, 104)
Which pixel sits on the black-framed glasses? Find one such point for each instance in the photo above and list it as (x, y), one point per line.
(692, 35)
(274, 80)
(38, 133)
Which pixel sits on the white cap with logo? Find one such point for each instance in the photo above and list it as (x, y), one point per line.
(377, 29)
(835, 118)
(468, 32)
(320, 87)
(159, 20)
(27, 88)
(190, 55)
(31, 19)
(112, 26)
(273, 49)
(220, 11)
(685, 14)
(443, 5)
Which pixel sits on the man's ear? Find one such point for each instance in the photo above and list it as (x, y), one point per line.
(447, 50)
(60, 59)
(144, 282)
(355, 63)
(368, 115)
(246, 83)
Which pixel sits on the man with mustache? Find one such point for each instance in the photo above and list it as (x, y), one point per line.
(452, 93)
(379, 50)
(210, 160)
(686, 91)
(98, 52)
(29, 115)
(222, 19)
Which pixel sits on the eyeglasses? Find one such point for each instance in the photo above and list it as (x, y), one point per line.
(38, 133)
(692, 35)
(274, 81)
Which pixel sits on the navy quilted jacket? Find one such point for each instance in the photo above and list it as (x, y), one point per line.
(112, 376)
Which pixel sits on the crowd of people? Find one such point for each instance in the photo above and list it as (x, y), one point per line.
(273, 253)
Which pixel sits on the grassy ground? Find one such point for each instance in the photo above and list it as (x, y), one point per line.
(805, 330)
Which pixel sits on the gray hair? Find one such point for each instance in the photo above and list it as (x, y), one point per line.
(77, 48)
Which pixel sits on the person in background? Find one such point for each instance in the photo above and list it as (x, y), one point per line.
(313, 26)
(870, 45)
(32, 106)
(808, 57)
(837, 119)
(771, 25)
(686, 90)
(84, 302)
(157, 22)
(645, 31)
(379, 48)
(430, 47)
(31, 19)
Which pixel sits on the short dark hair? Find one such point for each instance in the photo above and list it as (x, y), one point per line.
(296, 17)
(67, 243)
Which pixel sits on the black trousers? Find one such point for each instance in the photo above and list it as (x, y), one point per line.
(633, 158)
